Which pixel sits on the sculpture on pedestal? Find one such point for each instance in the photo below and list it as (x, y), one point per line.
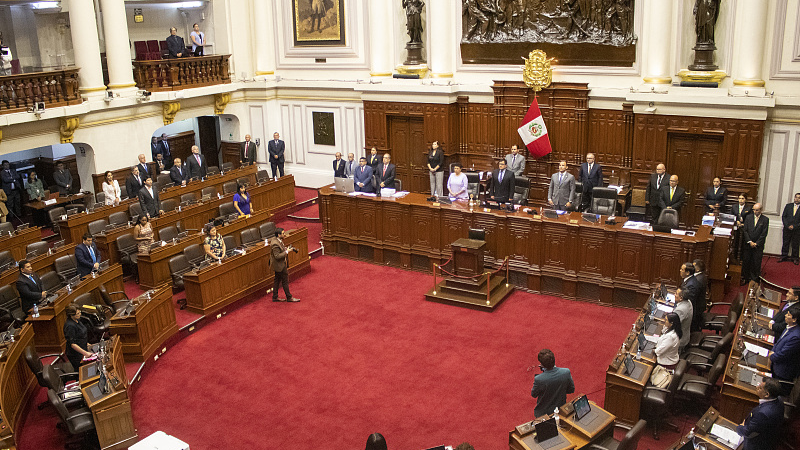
(414, 26)
(706, 13)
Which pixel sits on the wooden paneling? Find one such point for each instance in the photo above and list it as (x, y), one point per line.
(17, 382)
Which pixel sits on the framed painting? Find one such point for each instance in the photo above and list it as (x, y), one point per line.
(324, 130)
(318, 23)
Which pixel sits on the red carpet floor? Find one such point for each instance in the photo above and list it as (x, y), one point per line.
(784, 274)
(302, 194)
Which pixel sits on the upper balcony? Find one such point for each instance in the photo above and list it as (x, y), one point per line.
(181, 73)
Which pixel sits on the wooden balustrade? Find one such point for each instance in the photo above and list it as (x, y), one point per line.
(181, 73)
(54, 88)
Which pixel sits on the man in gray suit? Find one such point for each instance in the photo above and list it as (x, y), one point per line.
(350, 166)
(550, 387)
(561, 193)
(515, 161)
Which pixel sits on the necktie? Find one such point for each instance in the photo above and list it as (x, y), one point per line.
(91, 252)
(197, 157)
(560, 178)
(362, 170)
(138, 180)
(658, 183)
(513, 158)
(180, 171)
(590, 168)
(500, 176)
(795, 209)
(384, 171)
(671, 192)
(715, 191)
(34, 281)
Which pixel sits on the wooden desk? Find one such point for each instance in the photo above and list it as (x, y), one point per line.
(154, 266)
(150, 324)
(75, 226)
(19, 241)
(624, 393)
(49, 326)
(60, 201)
(217, 181)
(710, 442)
(218, 285)
(17, 382)
(566, 256)
(577, 436)
(41, 264)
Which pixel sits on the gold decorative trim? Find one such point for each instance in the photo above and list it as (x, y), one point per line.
(420, 70)
(271, 72)
(169, 110)
(121, 86)
(380, 74)
(221, 101)
(67, 127)
(702, 76)
(1, 135)
(538, 72)
(94, 89)
(442, 75)
(657, 80)
(749, 83)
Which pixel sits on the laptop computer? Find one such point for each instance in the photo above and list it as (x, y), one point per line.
(344, 185)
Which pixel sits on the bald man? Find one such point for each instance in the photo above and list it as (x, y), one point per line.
(653, 193)
(672, 196)
(756, 227)
(247, 152)
(196, 164)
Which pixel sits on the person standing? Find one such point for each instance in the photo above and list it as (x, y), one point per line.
(144, 169)
(196, 164)
(653, 192)
(276, 148)
(550, 387)
(761, 428)
(29, 286)
(198, 39)
(591, 176)
(338, 166)
(279, 261)
(373, 159)
(12, 185)
(3, 208)
(502, 184)
(143, 233)
(77, 336)
(672, 196)
(561, 193)
(778, 323)
(457, 183)
(350, 166)
(241, 201)
(685, 312)
(63, 179)
(5, 59)
(786, 351)
(111, 189)
(515, 161)
(148, 199)
(155, 147)
(363, 176)
(247, 153)
(175, 45)
(385, 174)
(693, 292)
(35, 187)
(166, 153)
(435, 169)
(791, 231)
(178, 174)
(134, 182)
(214, 245)
(87, 256)
(756, 227)
(716, 195)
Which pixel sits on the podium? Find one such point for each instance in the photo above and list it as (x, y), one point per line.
(468, 257)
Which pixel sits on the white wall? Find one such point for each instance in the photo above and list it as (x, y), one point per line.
(159, 17)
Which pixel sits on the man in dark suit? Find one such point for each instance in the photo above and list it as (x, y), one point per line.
(502, 184)
(196, 164)
(692, 291)
(87, 256)
(756, 227)
(591, 176)
(279, 261)
(550, 387)
(164, 149)
(247, 153)
(761, 428)
(791, 231)
(653, 192)
(384, 176)
(786, 351)
(63, 179)
(373, 159)
(29, 287)
(175, 44)
(144, 170)
(702, 279)
(161, 165)
(338, 166)
(276, 148)
(362, 177)
(134, 182)
(672, 196)
(178, 174)
(778, 322)
(155, 148)
(148, 199)
(12, 185)
(716, 195)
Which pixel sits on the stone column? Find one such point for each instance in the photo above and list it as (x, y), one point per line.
(118, 52)
(83, 26)
(750, 39)
(380, 40)
(263, 39)
(440, 45)
(658, 31)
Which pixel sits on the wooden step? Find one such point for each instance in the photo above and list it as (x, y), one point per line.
(499, 292)
(478, 294)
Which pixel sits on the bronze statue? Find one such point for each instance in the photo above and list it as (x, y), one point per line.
(706, 13)
(413, 20)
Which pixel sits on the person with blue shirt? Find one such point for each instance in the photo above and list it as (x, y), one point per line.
(241, 201)
(786, 351)
(362, 176)
(550, 387)
(87, 256)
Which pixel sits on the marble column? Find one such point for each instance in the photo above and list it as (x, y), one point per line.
(380, 39)
(440, 44)
(263, 38)
(658, 40)
(750, 39)
(83, 26)
(118, 53)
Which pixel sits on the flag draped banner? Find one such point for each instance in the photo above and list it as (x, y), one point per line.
(534, 133)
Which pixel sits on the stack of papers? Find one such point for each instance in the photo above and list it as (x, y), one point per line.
(634, 225)
(678, 232)
(722, 231)
(613, 186)
(756, 349)
(400, 194)
(708, 220)
(665, 308)
(726, 435)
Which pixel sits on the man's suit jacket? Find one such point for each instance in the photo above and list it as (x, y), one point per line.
(779, 321)
(561, 191)
(196, 170)
(550, 388)
(155, 149)
(741, 212)
(338, 168)
(350, 168)
(756, 233)
(653, 191)
(85, 260)
(786, 354)
(761, 428)
(247, 152)
(789, 217)
(178, 175)
(387, 179)
(278, 255)
(30, 292)
(712, 199)
(502, 189)
(175, 45)
(145, 171)
(677, 198)
(276, 150)
(694, 292)
(11, 176)
(63, 179)
(166, 154)
(373, 161)
(516, 165)
(363, 176)
(150, 205)
(591, 180)
(133, 186)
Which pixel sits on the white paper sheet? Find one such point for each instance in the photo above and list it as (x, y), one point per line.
(665, 308)
(726, 434)
(756, 349)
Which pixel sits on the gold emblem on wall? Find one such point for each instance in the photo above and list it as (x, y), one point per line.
(220, 102)
(67, 127)
(169, 110)
(537, 74)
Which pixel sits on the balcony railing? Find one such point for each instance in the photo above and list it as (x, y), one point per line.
(55, 88)
(181, 73)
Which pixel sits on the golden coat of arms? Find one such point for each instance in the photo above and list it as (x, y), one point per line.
(537, 72)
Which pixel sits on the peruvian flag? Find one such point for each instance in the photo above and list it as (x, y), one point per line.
(534, 133)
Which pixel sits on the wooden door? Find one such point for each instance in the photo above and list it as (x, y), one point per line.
(209, 139)
(694, 160)
(407, 144)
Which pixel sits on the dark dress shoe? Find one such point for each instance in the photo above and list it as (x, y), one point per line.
(293, 300)
(278, 300)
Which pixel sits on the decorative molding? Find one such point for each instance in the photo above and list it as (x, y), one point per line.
(169, 110)
(67, 127)
(777, 71)
(220, 102)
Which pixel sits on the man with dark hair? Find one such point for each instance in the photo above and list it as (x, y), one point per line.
(786, 352)
(501, 185)
(653, 192)
(590, 176)
(164, 149)
(363, 176)
(29, 286)
(778, 323)
(551, 387)
(279, 260)
(148, 199)
(87, 256)
(761, 428)
(276, 149)
(791, 231)
(12, 185)
(63, 179)
(693, 292)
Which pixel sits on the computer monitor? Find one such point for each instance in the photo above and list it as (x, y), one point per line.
(642, 341)
(589, 217)
(663, 291)
(652, 305)
(646, 321)
(582, 407)
(629, 364)
(546, 430)
(344, 185)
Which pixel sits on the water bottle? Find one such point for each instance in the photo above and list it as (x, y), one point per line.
(558, 419)
(35, 310)
(638, 354)
(69, 288)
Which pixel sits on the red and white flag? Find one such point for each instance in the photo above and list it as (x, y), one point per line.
(534, 133)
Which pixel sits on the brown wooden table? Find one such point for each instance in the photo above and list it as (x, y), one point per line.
(60, 201)
(41, 264)
(212, 288)
(17, 382)
(19, 241)
(146, 328)
(565, 256)
(578, 437)
(217, 181)
(75, 226)
(705, 438)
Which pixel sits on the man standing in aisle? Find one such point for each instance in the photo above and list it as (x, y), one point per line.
(591, 176)
(791, 231)
(166, 154)
(550, 387)
(276, 148)
(196, 164)
(515, 161)
(247, 154)
(12, 185)
(756, 227)
(653, 192)
(279, 261)
(561, 193)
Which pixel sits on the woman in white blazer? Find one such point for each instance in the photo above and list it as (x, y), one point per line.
(668, 343)
(111, 189)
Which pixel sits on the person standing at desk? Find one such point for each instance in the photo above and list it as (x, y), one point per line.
(214, 246)
(29, 286)
(716, 195)
(591, 176)
(178, 174)
(63, 179)
(111, 189)
(198, 39)
(279, 261)
(247, 153)
(791, 231)
(561, 193)
(693, 292)
(155, 148)
(685, 312)
(550, 387)
(338, 166)
(143, 233)
(12, 184)
(653, 192)
(741, 210)
(35, 187)
(669, 342)
(761, 428)
(457, 183)
(87, 256)
(502, 184)
(385, 174)
(3, 208)
(778, 323)
(786, 351)
(144, 170)
(134, 182)
(148, 199)
(276, 148)
(756, 227)
(363, 176)
(241, 200)
(77, 337)
(166, 154)
(196, 164)
(515, 162)
(373, 159)
(435, 169)
(672, 196)
(350, 166)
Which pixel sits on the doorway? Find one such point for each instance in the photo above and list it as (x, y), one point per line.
(407, 144)
(694, 159)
